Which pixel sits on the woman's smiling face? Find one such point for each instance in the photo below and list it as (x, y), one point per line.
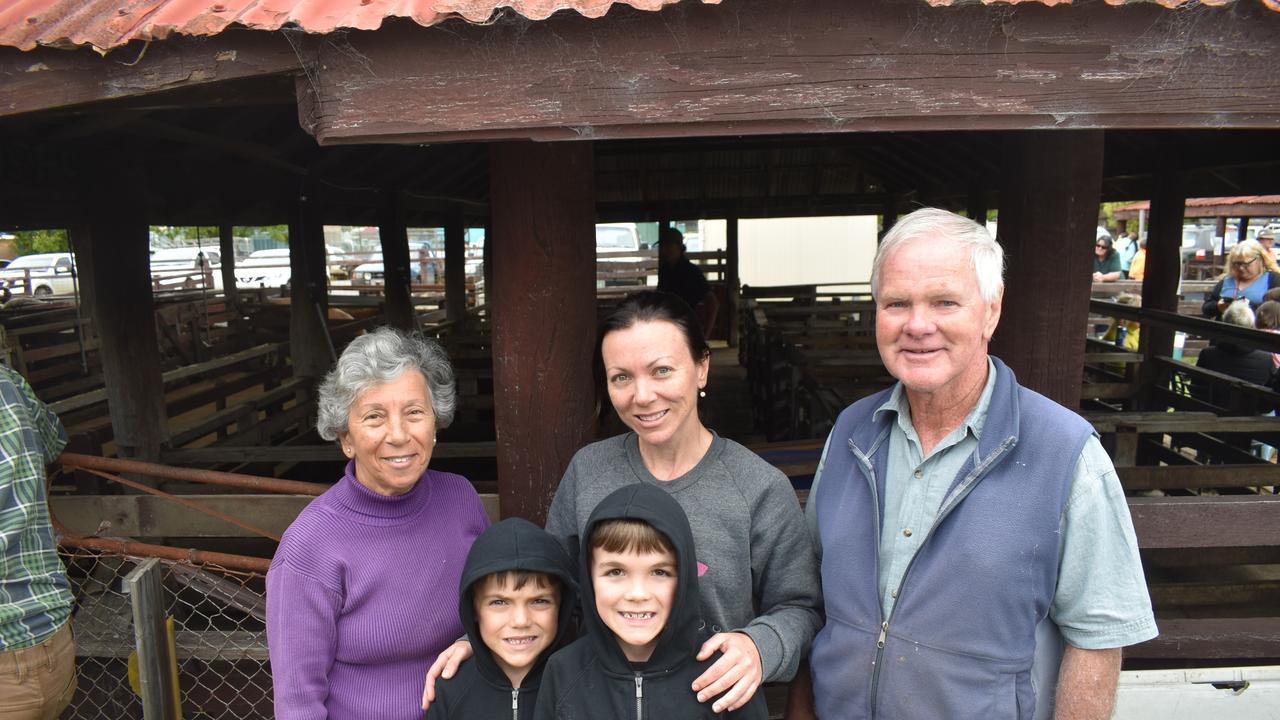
(653, 380)
(391, 430)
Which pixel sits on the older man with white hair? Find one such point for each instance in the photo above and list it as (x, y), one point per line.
(967, 525)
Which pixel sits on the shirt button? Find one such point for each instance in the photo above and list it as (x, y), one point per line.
(907, 532)
(894, 594)
(919, 474)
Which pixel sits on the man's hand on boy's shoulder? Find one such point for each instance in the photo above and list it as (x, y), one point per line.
(733, 679)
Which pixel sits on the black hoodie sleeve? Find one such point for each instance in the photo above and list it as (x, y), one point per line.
(548, 692)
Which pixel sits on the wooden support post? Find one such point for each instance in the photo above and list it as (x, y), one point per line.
(157, 666)
(977, 207)
(889, 216)
(542, 305)
(733, 294)
(1046, 303)
(455, 266)
(394, 237)
(113, 262)
(487, 262)
(1164, 272)
(227, 250)
(309, 345)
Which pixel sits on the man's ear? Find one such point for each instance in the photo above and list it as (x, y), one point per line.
(993, 316)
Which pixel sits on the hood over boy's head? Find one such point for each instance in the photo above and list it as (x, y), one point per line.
(640, 580)
(516, 600)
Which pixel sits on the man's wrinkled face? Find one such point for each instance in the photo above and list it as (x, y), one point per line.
(932, 325)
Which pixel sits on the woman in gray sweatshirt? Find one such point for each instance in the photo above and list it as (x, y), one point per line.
(760, 590)
(759, 573)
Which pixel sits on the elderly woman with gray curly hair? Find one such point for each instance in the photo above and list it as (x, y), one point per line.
(354, 611)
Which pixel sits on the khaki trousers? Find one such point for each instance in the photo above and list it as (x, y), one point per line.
(36, 683)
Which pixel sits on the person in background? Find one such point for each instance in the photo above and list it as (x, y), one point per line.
(354, 610)
(1250, 274)
(37, 653)
(1124, 333)
(680, 277)
(1267, 240)
(1106, 261)
(1238, 361)
(1126, 248)
(1268, 318)
(1138, 268)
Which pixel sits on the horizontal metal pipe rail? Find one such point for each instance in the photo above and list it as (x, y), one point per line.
(241, 563)
(196, 475)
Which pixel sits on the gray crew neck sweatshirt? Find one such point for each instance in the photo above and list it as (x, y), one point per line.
(761, 574)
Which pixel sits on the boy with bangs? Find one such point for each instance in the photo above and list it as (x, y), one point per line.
(640, 609)
(515, 599)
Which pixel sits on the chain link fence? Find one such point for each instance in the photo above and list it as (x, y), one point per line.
(220, 631)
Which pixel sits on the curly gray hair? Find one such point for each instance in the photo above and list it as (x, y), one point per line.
(379, 357)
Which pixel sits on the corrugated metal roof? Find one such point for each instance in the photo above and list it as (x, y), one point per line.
(105, 24)
(1243, 200)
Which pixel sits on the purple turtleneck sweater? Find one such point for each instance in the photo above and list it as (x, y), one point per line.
(363, 594)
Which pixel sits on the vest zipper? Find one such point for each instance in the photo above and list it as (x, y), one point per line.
(965, 488)
(639, 696)
(870, 472)
(515, 704)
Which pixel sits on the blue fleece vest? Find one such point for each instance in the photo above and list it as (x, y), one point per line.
(960, 640)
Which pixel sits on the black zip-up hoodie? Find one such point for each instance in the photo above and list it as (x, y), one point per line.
(480, 690)
(592, 678)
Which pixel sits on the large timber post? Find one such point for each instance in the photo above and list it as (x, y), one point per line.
(227, 255)
(732, 281)
(1048, 215)
(1163, 274)
(394, 236)
(455, 265)
(542, 305)
(114, 266)
(309, 344)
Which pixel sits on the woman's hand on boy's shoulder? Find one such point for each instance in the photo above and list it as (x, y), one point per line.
(445, 666)
(732, 680)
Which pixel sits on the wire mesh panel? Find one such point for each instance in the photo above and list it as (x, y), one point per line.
(220, 633)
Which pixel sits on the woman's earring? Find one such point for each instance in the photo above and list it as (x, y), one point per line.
(702, 393)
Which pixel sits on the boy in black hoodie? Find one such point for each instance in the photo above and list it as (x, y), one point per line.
(515, 599)
(640, 608)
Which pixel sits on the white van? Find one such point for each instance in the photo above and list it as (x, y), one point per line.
(41, 275)
(264, 268)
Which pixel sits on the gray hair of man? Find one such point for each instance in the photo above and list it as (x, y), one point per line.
(987, 257)
(1239, 313)
(378, 357)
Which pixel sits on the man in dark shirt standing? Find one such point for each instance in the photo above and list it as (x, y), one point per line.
(679, 276)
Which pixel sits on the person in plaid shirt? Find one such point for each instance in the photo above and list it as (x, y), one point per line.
(37, 656)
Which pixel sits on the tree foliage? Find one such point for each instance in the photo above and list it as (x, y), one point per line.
(28, 242)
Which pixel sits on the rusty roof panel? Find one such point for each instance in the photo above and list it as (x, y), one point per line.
(106, 24)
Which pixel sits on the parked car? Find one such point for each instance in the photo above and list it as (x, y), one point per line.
(264, 268)
(373, 272)
(41, 275)
(185, 267)
(617, 245)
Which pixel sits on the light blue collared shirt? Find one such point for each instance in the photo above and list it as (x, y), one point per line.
(1101, 600)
